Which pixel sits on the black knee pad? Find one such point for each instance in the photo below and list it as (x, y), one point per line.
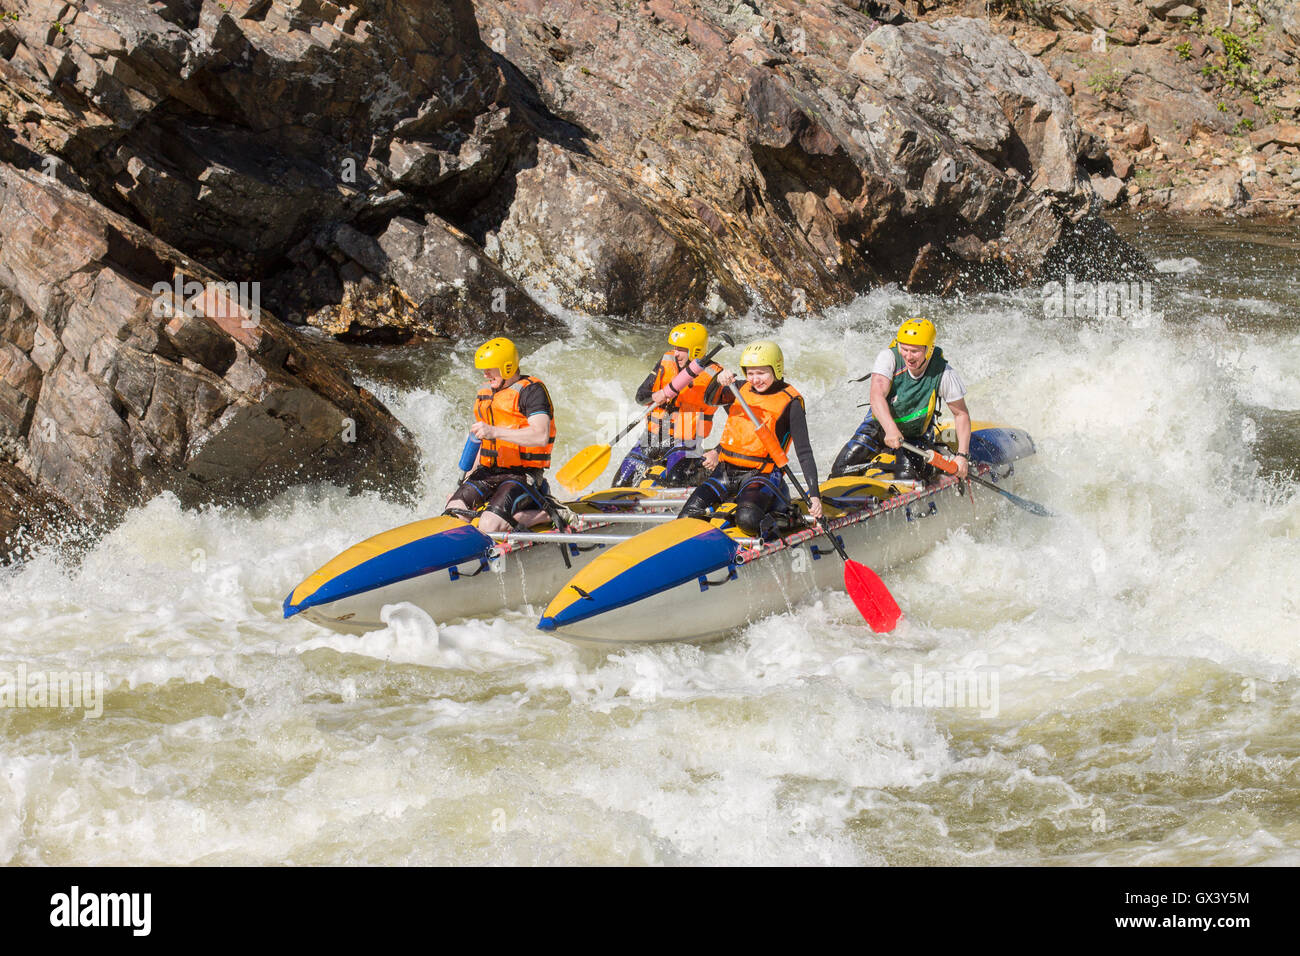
(749, 518)
(853, 454)
(907, 466)
(684, 473)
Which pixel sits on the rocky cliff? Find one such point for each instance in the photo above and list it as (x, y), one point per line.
(380, 169)
(1190, 107)
(175, 175)
(783, 155)
(126, 370)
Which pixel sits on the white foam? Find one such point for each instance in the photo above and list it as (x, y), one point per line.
(1183, 266)
(1164, 588)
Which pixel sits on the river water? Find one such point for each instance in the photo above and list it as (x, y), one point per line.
(1131, 664)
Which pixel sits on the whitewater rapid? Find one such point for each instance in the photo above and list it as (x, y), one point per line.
(1135, 658)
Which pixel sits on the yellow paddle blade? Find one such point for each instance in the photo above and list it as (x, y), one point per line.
(583, 468)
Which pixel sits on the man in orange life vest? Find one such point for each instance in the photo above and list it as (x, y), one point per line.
(746, 473)
(514, 419)
(679, 421)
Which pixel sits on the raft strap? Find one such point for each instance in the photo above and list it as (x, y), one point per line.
(705, 583)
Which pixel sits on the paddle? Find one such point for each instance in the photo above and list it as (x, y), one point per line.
(868, 592)
(585, 467)
(949, 466)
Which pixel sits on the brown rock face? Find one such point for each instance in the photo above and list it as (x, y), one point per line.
(1174, 9)
(1223, 192)
(1284, 134)
(579, 236)
(787, 159)
(1172, 93)
(234, 127)
(1282, 13)
(240, 131)
(29, 516)
(637, 160)
(1111, 190)
(114, 388)
(419, 278)
(265, 143)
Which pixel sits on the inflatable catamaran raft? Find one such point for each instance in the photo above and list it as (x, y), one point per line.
(628, 571)
(694, 580)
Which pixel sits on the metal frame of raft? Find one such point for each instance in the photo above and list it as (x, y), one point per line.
(904, 500)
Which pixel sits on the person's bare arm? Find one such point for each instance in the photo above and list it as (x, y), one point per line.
(961, 420)
(880, 408)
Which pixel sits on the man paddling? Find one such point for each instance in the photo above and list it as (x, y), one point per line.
(514, 419)
(909, 382)
(745, 471)
(679, 421)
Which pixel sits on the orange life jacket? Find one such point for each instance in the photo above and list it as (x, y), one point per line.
(502, 408)
(740, 443)
(686, 418)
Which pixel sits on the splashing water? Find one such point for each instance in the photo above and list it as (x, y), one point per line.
(1115, 685)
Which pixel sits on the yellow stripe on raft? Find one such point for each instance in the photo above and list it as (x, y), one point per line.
(626, 555)
(362, 552)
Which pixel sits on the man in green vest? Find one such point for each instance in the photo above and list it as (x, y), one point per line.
(909, 382)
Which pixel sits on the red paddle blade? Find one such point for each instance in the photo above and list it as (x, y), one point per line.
(871, 597)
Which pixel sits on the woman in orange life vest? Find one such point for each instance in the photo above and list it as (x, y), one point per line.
(746, 473)
(910, 381)
(514, 419)
(679, 422)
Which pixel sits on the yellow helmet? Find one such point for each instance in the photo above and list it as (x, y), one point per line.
(917, 331)
(758, 354)
(499, 353)
(690, 336)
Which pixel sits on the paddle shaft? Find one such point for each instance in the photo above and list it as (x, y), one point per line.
(949, 466)
(932, 457)
(624, 433)
(946, 465)
(779, 457)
